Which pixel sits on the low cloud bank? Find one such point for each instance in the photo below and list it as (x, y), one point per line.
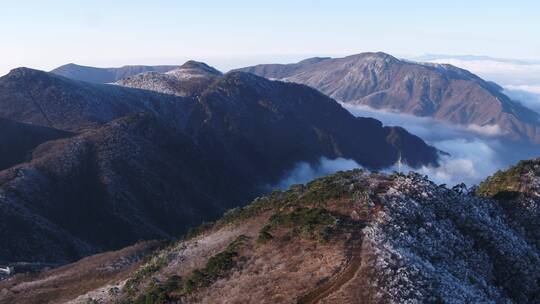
(470, 161)
(424, 126)
(474, 152)
(503, 71)
(527, 95)
(304, 172)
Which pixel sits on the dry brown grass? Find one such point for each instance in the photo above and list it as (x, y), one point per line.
(65, 283)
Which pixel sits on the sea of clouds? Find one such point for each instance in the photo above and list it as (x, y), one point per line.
(474, 152)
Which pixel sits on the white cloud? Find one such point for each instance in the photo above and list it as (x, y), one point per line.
(475, 152)
(487, 130)
(470, 161)
(304, 172)
(424, 126)
(526, 88)
(529, 96)
(504, 72)
(520, 79)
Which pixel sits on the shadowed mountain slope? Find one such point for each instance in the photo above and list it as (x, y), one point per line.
(142, 164)
(17, 140)
(353, 237)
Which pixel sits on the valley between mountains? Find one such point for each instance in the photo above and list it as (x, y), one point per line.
(129, 164)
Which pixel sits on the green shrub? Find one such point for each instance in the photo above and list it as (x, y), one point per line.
(216, 267)
(157, 261)
(515, 179)
(194, 232)
(264, 234)
(309, 223)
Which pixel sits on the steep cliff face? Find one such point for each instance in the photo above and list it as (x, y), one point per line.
(351, 237)
(440, 91)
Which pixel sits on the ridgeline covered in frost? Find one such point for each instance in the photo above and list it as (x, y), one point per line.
(352, 237)
(430, 244)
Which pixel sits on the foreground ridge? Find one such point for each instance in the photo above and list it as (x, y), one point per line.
(351, 237)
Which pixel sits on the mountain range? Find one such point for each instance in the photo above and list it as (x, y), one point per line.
(440, 91)
(108, 165)
(106, 75)
(352, 237)
(189, 79)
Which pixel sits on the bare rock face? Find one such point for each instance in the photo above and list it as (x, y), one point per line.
(353, 237)
(443, 92)
(138, 164)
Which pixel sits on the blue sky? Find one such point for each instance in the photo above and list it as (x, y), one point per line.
(45, 34)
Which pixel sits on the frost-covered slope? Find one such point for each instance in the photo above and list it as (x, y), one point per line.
(353, 237)
(190, 79)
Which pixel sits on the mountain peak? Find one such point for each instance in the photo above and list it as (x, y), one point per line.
(106, 75)
(198, 66)
(444, 92)
(314, 60)
(189, 79)
(374, 56)
(24, 71)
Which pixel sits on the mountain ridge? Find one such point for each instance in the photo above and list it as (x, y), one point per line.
(105, 75)
(354, 236)
(141, 164)
(443, 92)
(190, 79)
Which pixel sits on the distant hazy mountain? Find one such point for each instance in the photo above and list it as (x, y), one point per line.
(140, 164)
(46, 99)
(189, 79)
(106, 75)
(440, 91)
(352, 237)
